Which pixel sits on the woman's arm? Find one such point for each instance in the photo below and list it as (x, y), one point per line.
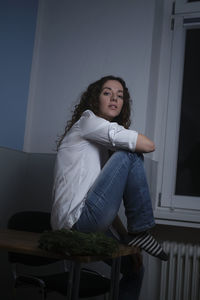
(112, 135)
(109, 134)
(144, 144)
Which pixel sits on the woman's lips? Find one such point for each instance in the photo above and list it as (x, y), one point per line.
(113, 106)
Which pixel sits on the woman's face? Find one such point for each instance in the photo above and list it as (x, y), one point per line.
(111, 100)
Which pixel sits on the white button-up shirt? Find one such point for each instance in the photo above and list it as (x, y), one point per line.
(80, 157)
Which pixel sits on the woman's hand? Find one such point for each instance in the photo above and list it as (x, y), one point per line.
(144, 144)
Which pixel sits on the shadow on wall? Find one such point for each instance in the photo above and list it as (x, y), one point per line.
(25, 182)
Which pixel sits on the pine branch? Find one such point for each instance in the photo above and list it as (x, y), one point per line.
(77, 243)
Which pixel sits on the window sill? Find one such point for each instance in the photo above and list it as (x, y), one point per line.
(181, 218)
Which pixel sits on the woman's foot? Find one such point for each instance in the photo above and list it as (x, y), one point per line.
(148, 243)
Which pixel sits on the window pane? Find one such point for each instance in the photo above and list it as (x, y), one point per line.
(188, 164)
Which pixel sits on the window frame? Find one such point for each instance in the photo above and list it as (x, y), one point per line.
(170, 208)
(173, 120)
(182, 6)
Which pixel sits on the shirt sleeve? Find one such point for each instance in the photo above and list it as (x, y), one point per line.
(107, 133)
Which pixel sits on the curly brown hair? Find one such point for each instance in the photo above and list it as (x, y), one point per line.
(90, 100)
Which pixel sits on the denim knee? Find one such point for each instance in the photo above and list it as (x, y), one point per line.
(133, 156)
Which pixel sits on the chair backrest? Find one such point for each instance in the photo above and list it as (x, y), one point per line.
(31, 221)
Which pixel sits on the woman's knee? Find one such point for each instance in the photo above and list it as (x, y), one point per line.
(133, 156)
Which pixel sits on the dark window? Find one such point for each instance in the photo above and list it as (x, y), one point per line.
(188, 164)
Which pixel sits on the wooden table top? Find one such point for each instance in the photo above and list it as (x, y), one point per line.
(27, 243)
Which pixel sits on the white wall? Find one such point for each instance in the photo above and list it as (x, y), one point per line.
(76, 43)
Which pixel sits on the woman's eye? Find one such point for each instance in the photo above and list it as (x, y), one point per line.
(121, 96)
(106, 93)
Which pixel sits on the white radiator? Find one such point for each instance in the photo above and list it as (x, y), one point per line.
(180, 276)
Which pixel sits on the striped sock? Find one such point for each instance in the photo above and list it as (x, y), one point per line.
(148, 243)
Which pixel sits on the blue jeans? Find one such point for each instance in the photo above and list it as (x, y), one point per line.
(122, 177)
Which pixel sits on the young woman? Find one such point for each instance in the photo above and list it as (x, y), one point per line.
(90, 184)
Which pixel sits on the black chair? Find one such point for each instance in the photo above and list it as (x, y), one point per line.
(91, 283)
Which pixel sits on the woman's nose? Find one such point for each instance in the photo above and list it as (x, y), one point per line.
(114, 97)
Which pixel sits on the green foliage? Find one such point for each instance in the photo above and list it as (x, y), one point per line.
(77, 243)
